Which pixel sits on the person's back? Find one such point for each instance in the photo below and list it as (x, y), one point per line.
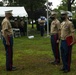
(22, 31)
(22, 23)
(41, 22)
(16, 24)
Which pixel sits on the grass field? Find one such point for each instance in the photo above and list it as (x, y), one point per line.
(33, 56)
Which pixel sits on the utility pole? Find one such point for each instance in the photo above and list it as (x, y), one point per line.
(47, 20)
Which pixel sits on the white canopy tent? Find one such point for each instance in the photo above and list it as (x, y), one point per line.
(17, 11)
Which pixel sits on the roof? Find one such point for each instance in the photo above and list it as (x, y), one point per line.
(17, 11)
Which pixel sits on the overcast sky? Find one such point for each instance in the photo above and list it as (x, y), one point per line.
(55, 3)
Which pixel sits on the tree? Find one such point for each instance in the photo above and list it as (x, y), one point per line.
(66, 5)
(30, 5)
(63, 5)
(1, 3)
(70, 2)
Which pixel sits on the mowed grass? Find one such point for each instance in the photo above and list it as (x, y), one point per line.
(33, 57)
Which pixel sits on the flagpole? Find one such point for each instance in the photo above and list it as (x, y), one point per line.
(47, 20)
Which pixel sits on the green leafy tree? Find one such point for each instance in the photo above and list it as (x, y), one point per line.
(65, 6)
(1, 3)
(30, 5)
(70, 2)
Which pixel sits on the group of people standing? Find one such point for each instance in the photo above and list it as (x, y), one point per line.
(62, 33)
(20, 24)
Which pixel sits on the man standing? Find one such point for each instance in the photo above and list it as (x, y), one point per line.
(41, 22)
(55, 30)
(22, 27)
(67, 34)
(7, 34)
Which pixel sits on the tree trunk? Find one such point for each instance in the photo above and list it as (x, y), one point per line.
(69, 5)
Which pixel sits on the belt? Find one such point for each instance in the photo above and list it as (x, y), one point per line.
(10, 35)
(54, 33)
(62, 38)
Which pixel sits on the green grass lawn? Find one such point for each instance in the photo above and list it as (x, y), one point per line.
(33, 56)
